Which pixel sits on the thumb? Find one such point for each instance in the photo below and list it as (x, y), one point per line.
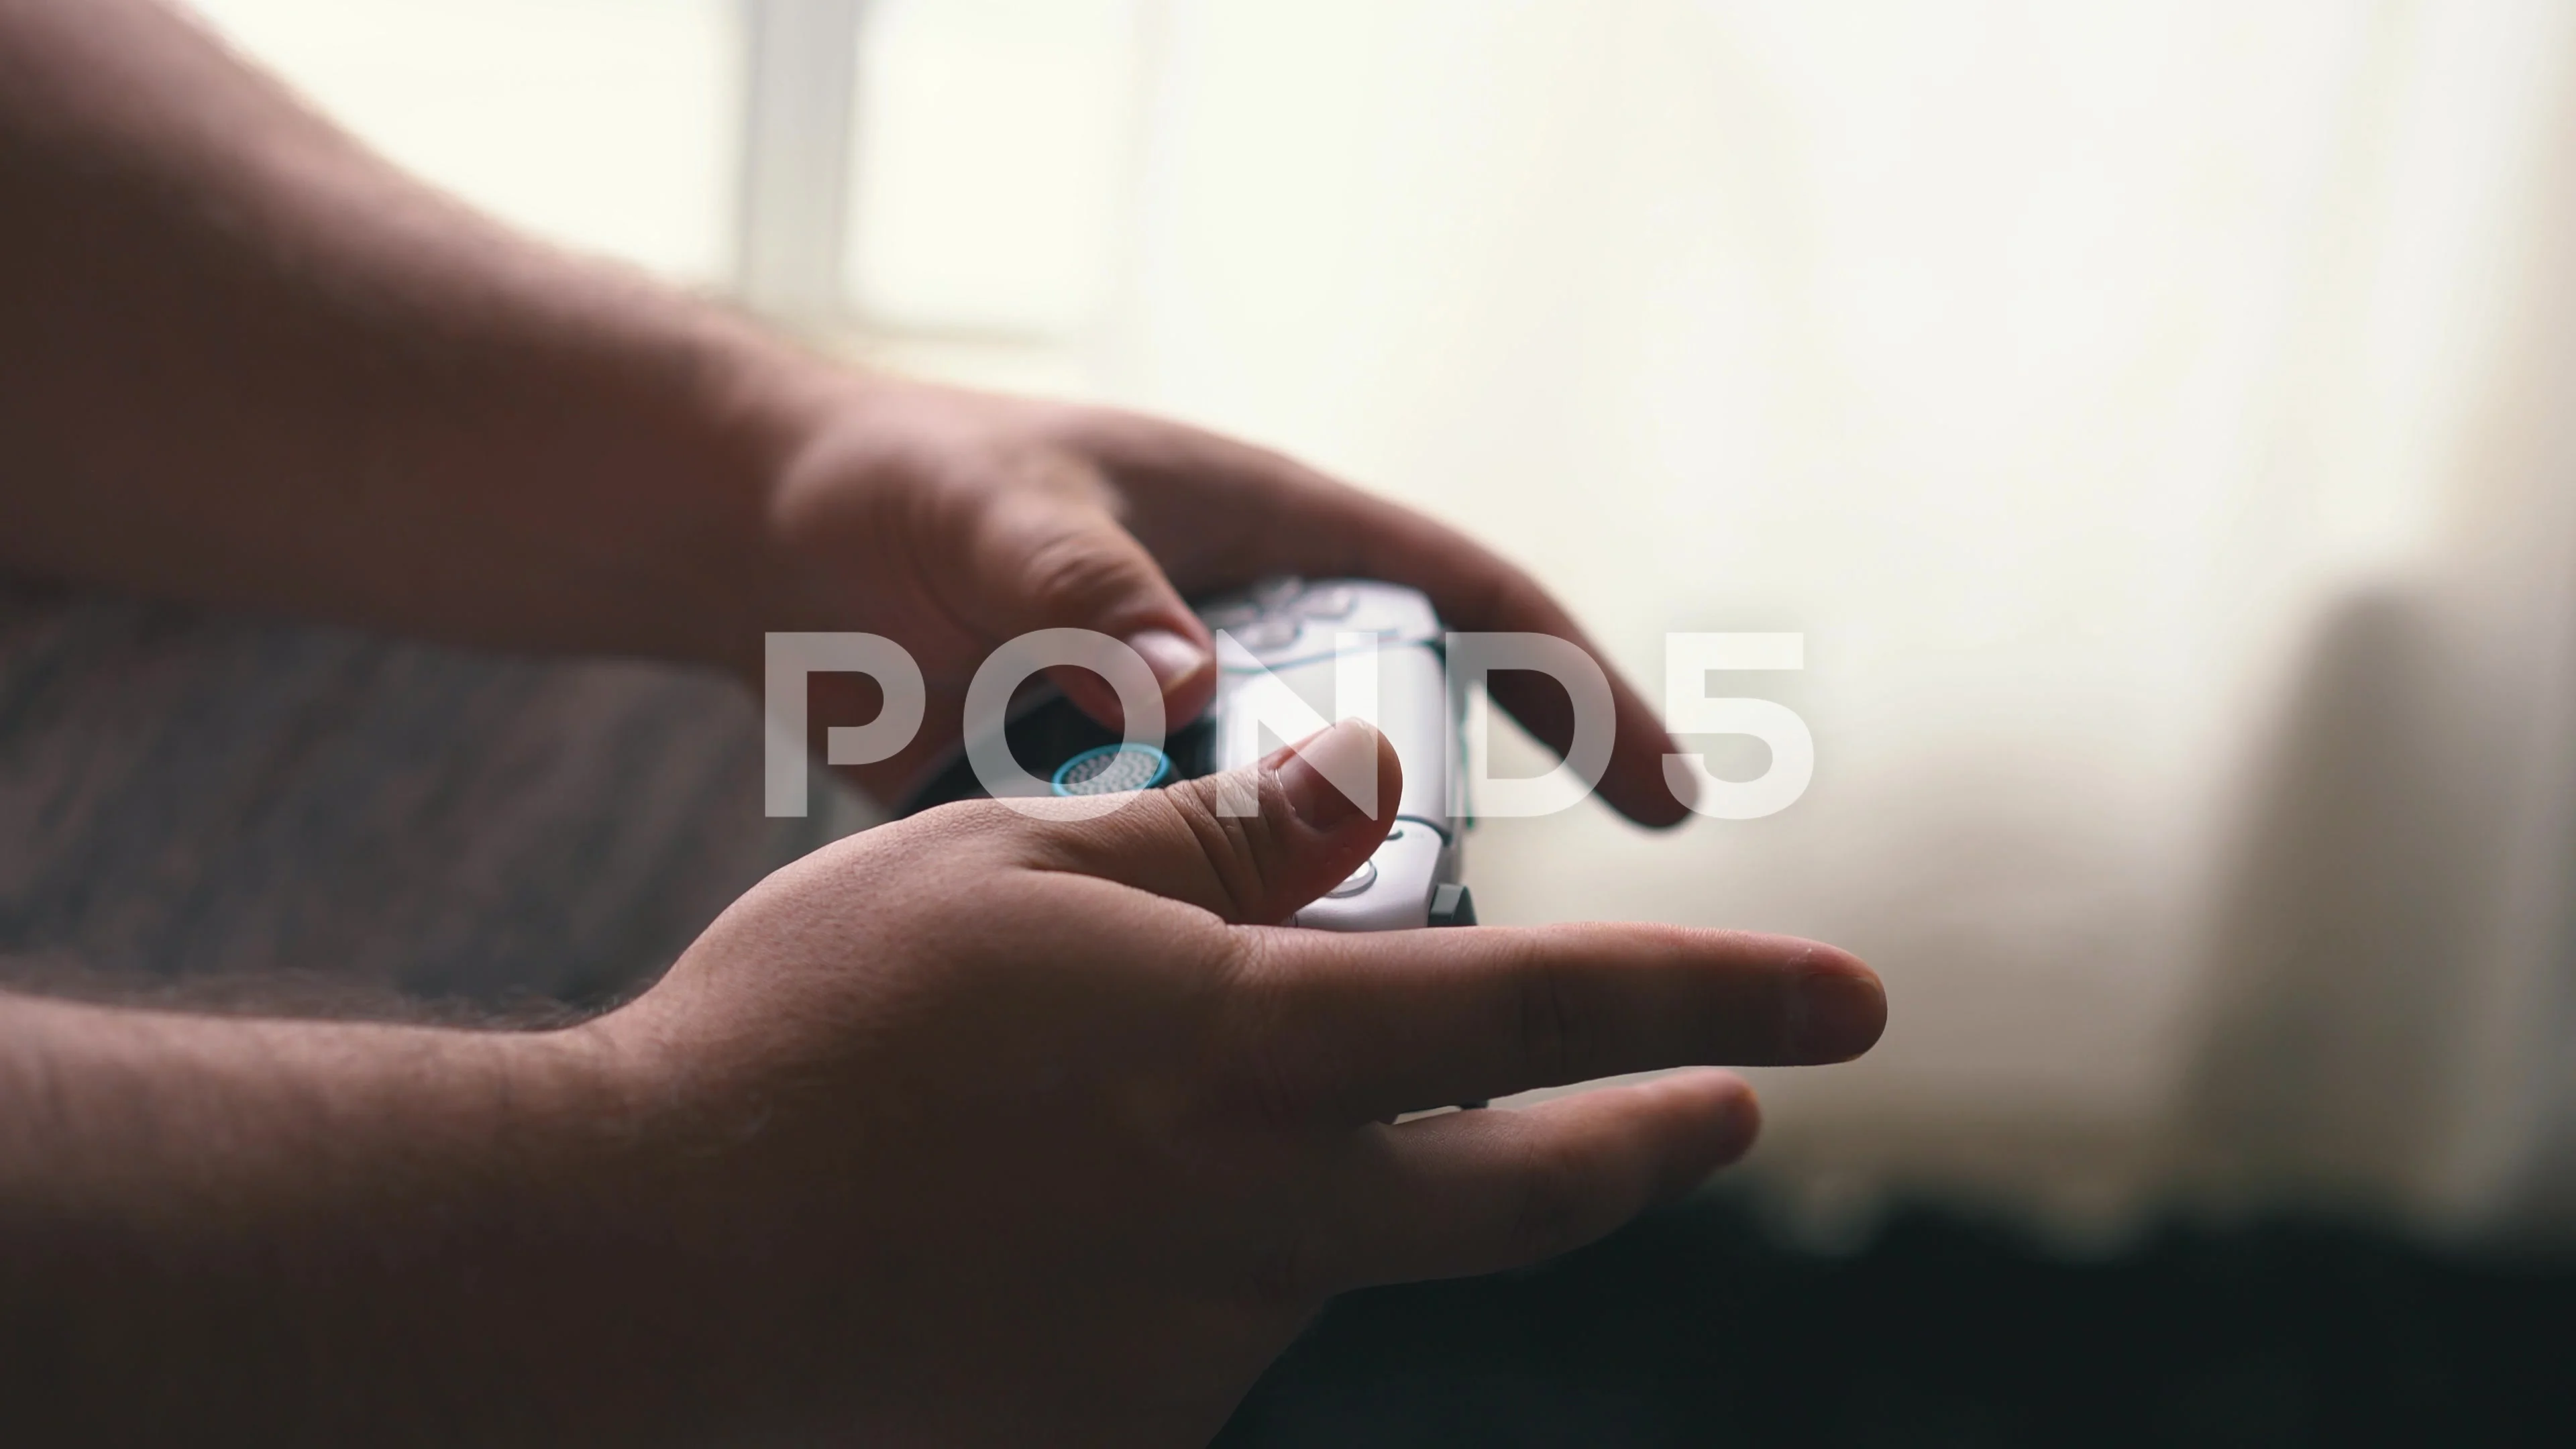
(1251, 845)
(1062, 560)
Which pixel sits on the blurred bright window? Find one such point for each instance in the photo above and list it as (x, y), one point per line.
(986, 168)
(991, 171)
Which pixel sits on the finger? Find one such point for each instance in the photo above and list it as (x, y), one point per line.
(1361, 1027)
(1279, 516)
(1475, 1192)
(1057, 556)
(1477, 592)
(1251, 845)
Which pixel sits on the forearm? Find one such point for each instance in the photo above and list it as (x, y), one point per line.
(273, 1231)
(248, 363)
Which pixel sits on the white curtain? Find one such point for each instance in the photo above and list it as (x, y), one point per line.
(2138, 408)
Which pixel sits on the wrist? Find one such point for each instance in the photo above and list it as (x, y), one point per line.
(601, 1244)
(670, 1222)
(811, 443)
(284, 1223)
(753, 402)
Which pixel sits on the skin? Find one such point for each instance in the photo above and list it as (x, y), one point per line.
(972, 1129)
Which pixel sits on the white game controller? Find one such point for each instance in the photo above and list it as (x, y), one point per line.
(1285, 635)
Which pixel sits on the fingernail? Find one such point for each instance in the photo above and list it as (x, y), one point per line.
(1172, 657)
(1834, 1014)
(1349, 750)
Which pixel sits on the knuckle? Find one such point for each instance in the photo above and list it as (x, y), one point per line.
(1073, 573)
(1264, 1080)
(1236, 848)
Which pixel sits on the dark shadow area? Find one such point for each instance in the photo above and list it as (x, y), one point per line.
(2358, 916)
(1696, 1327)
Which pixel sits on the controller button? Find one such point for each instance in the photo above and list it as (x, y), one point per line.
(1334, 602)
(1112, 769)
(1263, 635)
(1356, 882)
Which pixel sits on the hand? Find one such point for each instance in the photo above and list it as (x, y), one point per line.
(954, 521)
(978, 1128)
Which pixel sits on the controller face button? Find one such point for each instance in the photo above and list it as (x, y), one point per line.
(1331, 602)
(1112, 769)
(1356, 882)
(1263, 635)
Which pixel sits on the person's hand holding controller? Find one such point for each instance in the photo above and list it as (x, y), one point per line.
(953, 521)
(979, 1128)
